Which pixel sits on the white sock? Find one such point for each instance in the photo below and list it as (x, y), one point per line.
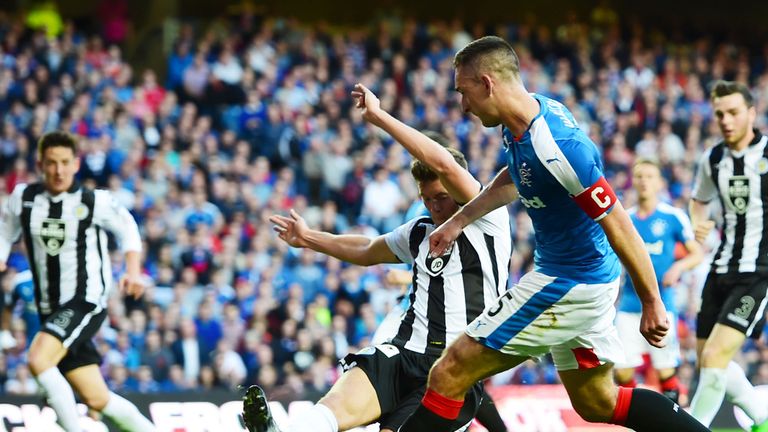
(61, 398)
(709, 395)
(319, 418)
(126, 415)
(742, 393)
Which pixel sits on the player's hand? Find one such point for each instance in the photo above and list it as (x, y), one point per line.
(654, 324)
(133, 285)
(369, 104)
(291, 229)
(672, 276)
(441, 240)
(3, 266)
(701, 230)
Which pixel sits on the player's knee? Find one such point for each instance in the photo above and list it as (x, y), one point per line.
(624, 376)
(336, 403)
(715, 356)
(97, 401)
(39, 362)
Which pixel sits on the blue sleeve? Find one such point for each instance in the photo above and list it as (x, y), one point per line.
(585, 160)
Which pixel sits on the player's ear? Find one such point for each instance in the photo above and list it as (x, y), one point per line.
(487, 83)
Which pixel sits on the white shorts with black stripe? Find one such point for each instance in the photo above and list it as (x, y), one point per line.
(541, 314)
(75, 323)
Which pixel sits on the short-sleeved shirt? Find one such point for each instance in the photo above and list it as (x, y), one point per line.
(559, 176)
(660, 231)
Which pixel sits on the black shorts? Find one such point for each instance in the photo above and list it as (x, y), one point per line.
(736, 300)
(74, 324)
(399, 377)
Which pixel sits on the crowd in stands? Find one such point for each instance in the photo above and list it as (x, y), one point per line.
(254, 117)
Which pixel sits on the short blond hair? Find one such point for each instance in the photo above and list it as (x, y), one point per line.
(490, 54)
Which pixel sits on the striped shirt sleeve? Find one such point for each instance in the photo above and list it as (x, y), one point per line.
(111, 215)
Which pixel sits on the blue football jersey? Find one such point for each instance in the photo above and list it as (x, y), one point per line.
(559, 175)
(24, 291)
(660, 231)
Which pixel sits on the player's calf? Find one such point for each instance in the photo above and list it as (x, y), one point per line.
(646, 410)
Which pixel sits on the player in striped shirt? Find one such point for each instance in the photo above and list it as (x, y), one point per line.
(62, 225)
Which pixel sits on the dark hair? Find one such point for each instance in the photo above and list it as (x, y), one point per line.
(56, 139)
(421, 172)
(490, 54)
(722, 88)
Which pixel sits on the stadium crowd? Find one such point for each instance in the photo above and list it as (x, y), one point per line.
(254, 117)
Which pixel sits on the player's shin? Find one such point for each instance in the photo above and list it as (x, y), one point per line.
(126, 415)
(319, 418)
(440, 414)
(61, 398)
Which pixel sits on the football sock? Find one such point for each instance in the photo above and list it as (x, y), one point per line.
(489, 416)
(709, 394)
(435, 413)
(319, 418)
(126, 415)
(742, 393)
(645, 410)
(670, 388)
(61, 398)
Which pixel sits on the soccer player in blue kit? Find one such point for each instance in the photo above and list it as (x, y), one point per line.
(565, 305)
(661, 226)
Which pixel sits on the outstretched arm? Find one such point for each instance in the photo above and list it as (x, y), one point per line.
(500, 192)
(458, 181)
(355, 249)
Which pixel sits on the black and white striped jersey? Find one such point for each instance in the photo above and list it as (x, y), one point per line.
(740, 180)
(449, 291)
(66, 242)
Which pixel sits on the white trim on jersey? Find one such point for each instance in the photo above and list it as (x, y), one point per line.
(549, 154)
(681, 217)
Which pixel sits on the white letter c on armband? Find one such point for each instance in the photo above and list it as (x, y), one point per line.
(604, 203)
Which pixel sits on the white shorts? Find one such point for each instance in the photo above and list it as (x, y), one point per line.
(635, 345)
(541, 314)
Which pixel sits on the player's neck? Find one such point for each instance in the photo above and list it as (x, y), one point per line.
(743, 143)
(646, 206)
(520, 111)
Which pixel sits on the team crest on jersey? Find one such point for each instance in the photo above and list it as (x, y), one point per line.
(81, 211)
(762, 166)
(738, 193)
(526, 178)
(435, 266)
(53, 233)
(658, 227)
